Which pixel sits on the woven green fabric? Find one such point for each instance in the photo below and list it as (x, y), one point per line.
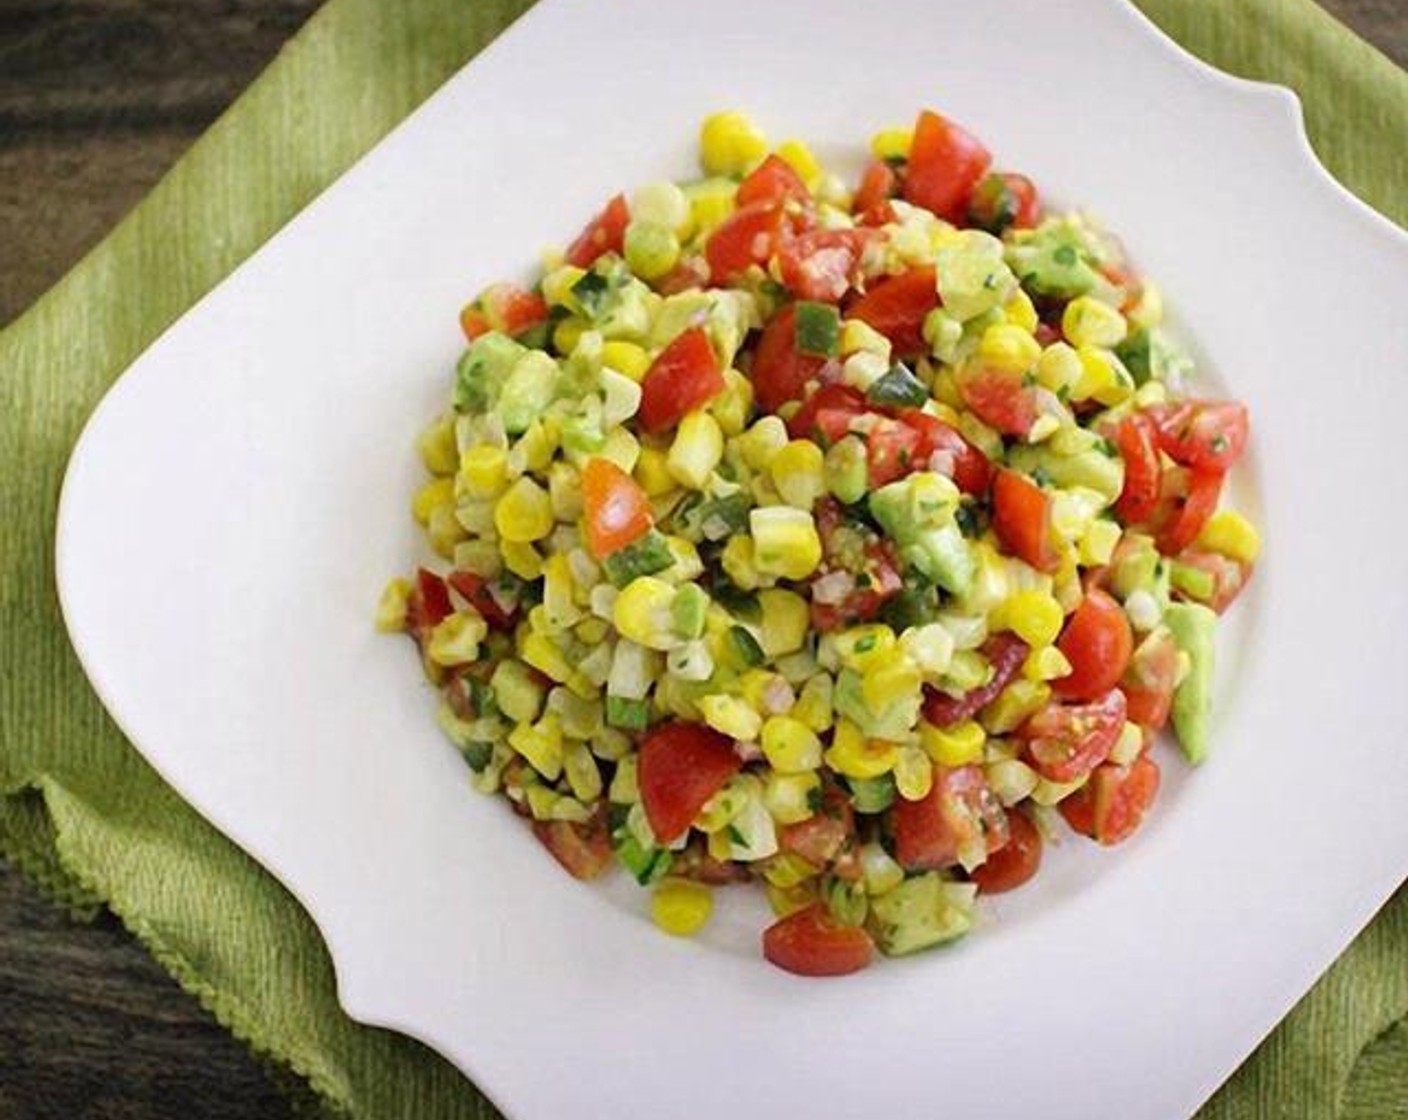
(85, 818)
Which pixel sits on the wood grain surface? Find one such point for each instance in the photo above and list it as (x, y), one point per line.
(97, 99)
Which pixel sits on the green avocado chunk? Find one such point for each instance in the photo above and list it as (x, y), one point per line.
(1193, 626)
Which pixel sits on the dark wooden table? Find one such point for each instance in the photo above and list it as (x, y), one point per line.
(97, 99)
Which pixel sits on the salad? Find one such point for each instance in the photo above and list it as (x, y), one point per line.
(851, 542)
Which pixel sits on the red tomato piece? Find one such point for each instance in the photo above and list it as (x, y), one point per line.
(475, 591)
(1065, 742)
(690, 273)
(747, 236)
(1111, 806)
(684, 376)
(512, 309)
(1005, 653)
(1149, 681)
(681, 766)
(779, 372)
(1097, 641)
(1137, 440)
(583, 849)
(606, 233)
(813, 943)
(1002, 200)
(945, 164)
(1187, 498)
(959, 811)
(615, 508)
(891, 451)
(428, 603)
(822, 264)
(773, 180)
(1228, 576)
(896, 307)
(1000, 399)
(1028, 200)
(878, 184)
(945, 450)
(1204, 435)
(822, 837)
(827, 413)
(1021, 518)
(1015, 862)
(873, 568)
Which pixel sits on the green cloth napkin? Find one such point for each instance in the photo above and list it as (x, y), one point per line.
(85, 818)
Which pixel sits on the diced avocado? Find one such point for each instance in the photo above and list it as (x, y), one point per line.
(727, 316)
(845, 899)
(630, 715)
(1193, 626)
(872, 795)
(893, 724)
(846, 471)
(530, 387)
(919, 913)
(972, 275)
(1054, 261)
(1136, 568)
(1092, 469)
(918, 513)
(482, 370)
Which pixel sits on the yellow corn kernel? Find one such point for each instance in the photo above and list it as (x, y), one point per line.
(1046, 664)
(861, 647)
(791, 747)
(680, 906)
(789, 900)
(557, 286)
(1034, 616)
(1009, 348)
(568, 333)
(558, 601)
(621, 448)
(859, 337)
(481, 557)
(761, 442)
(541, 744)
(754, 685)
(592, 631)
(789, 798)
(914, 774)
(455, 639)
(1148, 310)
(391, 607)
(583, 774)
(892, 680)
(1011, 779)
(625, 358)
(522, 559)
(541, 652)
(813, 706)
(483, 472)
(958, 745)
(930, 647)
(740, 563)
(1018, 701)
(800, 158)
(642, 613)
(797, 473)
(1047, 792)
(730, 716)
(436, 492)
(730, 144)
(1129, 745)
(786, 619)
(787, 870)
(892, 143)
(785, 542)
(710, 203)
(1089, 322)
(853, 756)
(653, 472)
(1097, 544)
(1100, 378)
(1230, 534)
(444, 531)
(438, 449)
(696, 451)
(734, 405)
(1059, 368)
(1020, 312)
(687, 567)
(524, 513)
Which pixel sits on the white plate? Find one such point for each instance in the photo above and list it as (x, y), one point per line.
(237, 502)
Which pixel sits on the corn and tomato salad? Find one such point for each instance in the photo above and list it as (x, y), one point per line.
(845, 541)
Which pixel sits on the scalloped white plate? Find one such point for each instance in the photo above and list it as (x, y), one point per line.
(234, 506)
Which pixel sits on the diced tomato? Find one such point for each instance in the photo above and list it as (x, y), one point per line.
(512, 309)
(747, 236)
(1204, 435)
(606, 233)
(824, 835)
(812, 942)
(1016, 861)
(1228, 576)
(959, 812)
(616, 510)
(1002, 200)
(1187, 498)
(1137, 441)
(684, 376)
(475, 591)
(822, 264)
(896, 307)
(1005, 653)
(873, 566)
(1097, 641)
(827, 413)
(583, 849)
(1149, 681)
(1000, 399)
(1112, 805)
(1028, 200)
(690, 273)
(428, 603)
(1021, 518)
(945, 450)
(891, 451)
(773, 180)
(681, 766)
(473, 321)
(945, 163)
(1065, 742)
(779, 372)
(877, 185)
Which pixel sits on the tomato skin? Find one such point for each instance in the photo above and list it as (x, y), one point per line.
(945, 163)
(1065, 742)
(1204, 435)
(1021, 518)
(1187, 499)
(821, 263)
(616, 509)
(773, 180)
(891, 451)
(958, 810)
(1112, 805)
(1137, 441)
(1004, 199)
(1005, 652)
(1229, 576)
(747, 236)
(969, 467)
(512, 309)
(1149, 681)
(681, 766)
(1097, 641)
(473, 322)
(827, 413)
(896, 307)
(606, 233)
(1000, 400)
(822, 837)
(878, 184)
(475, 590)
(1015, 862)
(813, 943)
(584, 850)
(779, 372)
(428, 603)
(1028, 200)
(684, 376)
